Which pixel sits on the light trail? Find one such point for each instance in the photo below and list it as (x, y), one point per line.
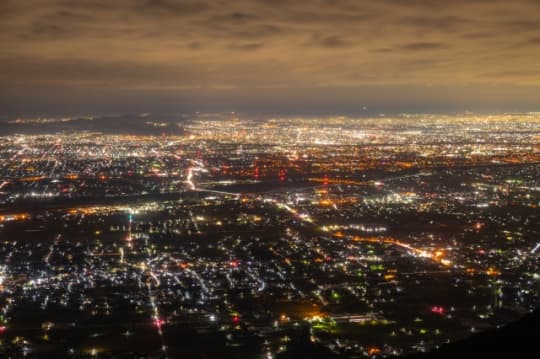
(420, 252)
(145, 268)
(191, 183)
(397, 178)
(189, 178)
(158, 322)
(129, 239)
(47, 258)
(194, 222)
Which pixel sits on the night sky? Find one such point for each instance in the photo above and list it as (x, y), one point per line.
(268, 56)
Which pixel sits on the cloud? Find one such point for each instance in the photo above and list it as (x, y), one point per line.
(529, 43)
(329, 42)
(171, 7)
(510, 74)
(246, 46)
(66, 15)
(478, 35)
(522, 25)
(533, 40)
(242, 17)
(52, 31)
(421, 46)
(435, 23)
(255, 44)
(382, 50)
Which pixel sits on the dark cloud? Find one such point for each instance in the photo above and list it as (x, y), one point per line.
(329, 42)
(53, 31)
(195, 45)
(242, 17)
(382, 50)
(533, 40)
(171, 7)
(522, 25)
(436, 4)
(259, 31)
(434, 23)
(478, 35)
(246, 46)
(510, 74)
(66, 15)
(421, 46)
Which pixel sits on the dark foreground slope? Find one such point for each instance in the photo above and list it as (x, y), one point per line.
(520, 339)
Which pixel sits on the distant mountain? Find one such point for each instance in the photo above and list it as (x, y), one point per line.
(143, 124)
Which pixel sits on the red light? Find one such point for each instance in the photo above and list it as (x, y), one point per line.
(437, 310)
(234, 263)
(3, 328)
(236, 319)
(282, 175)
(225, 169)
(159, 322)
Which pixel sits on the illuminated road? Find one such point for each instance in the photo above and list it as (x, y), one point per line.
(47, 258)
(420, 252)
(145, 269)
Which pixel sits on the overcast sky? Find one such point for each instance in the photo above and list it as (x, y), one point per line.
(327, 56)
